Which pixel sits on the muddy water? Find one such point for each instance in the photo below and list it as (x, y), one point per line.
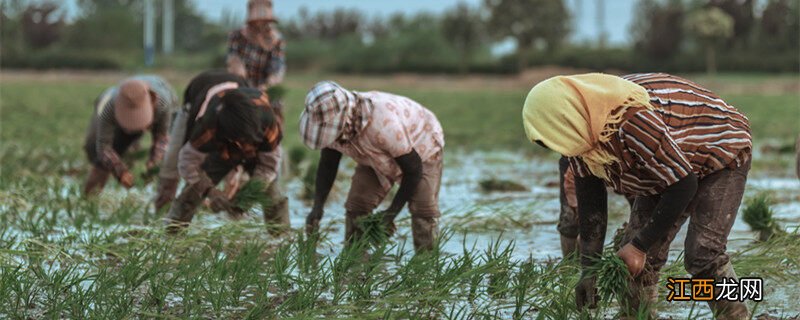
(529, 218)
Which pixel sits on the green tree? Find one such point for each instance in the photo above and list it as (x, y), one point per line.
(710, 26)
(107, 25)
(40, 25)
(741, 12)
(529, 22)
(780, 25)
(464, 29)
(654, 32)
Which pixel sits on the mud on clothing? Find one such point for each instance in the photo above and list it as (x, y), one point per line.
(397, 125)
(106, 141)
(690, 130)
(260, 63)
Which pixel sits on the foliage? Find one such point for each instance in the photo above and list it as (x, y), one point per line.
(653, 29)
(529, 22)
(464, 28)
(710, 25)
(40, 26)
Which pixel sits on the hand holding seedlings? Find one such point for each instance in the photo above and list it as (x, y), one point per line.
(633, 258)
(388, 221)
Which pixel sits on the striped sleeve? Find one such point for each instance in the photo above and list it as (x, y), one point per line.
(578, 167)
(657, 154)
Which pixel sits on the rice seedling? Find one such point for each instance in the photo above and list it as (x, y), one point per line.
(297, 154)
(251, 194)
(612, 275)
(498, 185)
(758, 215)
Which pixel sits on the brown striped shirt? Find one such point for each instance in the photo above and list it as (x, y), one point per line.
(690, 130)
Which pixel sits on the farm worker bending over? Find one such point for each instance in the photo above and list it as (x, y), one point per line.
(255, 51)
(223, 124)
(121, 115)
(681, 150)
(391, 138)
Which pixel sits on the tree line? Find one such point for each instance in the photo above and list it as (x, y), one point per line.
(666, 35)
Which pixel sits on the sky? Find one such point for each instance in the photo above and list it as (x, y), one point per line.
(618, 13)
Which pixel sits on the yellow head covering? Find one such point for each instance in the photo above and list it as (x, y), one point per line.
(571, 114)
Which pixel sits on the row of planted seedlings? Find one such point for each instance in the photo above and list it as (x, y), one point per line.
(66, 257)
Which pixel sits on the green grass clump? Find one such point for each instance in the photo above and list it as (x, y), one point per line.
(490, 185)
(758, 215)
(309, 180)
(374, 232)
(251, 194)
(276, 92)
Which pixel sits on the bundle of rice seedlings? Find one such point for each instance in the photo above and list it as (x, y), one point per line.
(296, 156)
(758, 215)
(492, 184)
(373, 229)
(150, 174)
(612, 275)
(250, 194)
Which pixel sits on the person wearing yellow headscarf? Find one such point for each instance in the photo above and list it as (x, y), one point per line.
(674, 145)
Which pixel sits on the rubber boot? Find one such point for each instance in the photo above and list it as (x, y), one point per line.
(182, 210)
(568, 246)
(640, 303)
(276, 215)
(96, 181)
(425, 231)
(724, 309)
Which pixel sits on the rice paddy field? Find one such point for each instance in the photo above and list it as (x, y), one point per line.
(62, 256)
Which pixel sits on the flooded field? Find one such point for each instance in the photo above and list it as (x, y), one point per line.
(65, 257)
(521, 226)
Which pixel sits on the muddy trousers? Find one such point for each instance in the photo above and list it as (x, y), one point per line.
(276, 216)
(568, 225)
(366, 193)
(711, 215)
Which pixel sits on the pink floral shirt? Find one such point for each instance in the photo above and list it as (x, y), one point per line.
(397, 126)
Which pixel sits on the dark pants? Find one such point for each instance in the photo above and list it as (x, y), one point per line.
(122, 141)
(185, 206)
(711, 215)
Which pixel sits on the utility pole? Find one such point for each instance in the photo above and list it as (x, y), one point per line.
(168, 27)
(601, 24)
(149, 33)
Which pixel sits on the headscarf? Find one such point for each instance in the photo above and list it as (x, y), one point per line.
(574, 114)
(332, 114)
